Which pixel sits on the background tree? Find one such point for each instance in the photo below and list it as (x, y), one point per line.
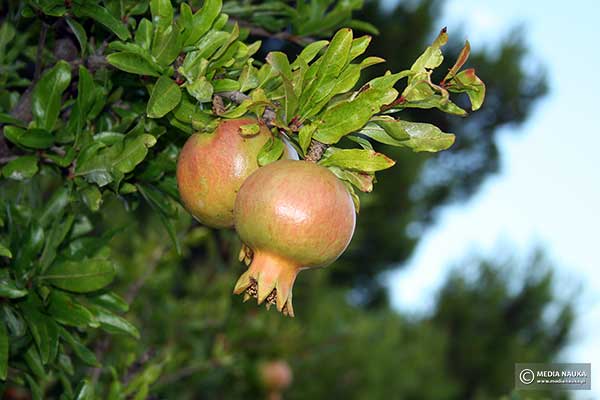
(89, 198)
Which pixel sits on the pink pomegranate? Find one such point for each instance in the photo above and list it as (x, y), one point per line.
(293, 215)
(275, 376)
(212, 167)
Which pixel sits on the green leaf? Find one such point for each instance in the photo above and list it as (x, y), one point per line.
(36, 322)
(92, 197)
(112, 301)
(133, 63)
(85, 391)
(460, 61)
(281, 65)
(363, 26)
(118, 159)
(143, 34)
(64, 309)
(203, 20)
(64, 361)
(248, 78)
(21, 168)
(9, 290)
(467, 82)
(305, 136)
(362, 181)
(249, 129)
(81, 276)
(5, 252)
(201, 90)
(166, 46)
(330, 66)
(432, 57)
(4, 351)
(9, 119)
(53, 338)
(57, 234)
(134, 152)
(101, 15)
(309, 52)
(415, 135)
(80, 350)
(79, 33)
(162, 13)
(86, 96)
(33, 138)
(225, 85)
(46, 98)
(158, 199)
(14, 321)
(356, 159)
(34, 387)
(271, 151)
(359, 46)
(34, 362)
(166, 208)
(165, 96)
(349, 116)
(55, 205)
(113, 323)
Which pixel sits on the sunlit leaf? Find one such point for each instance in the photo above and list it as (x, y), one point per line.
(356, 159)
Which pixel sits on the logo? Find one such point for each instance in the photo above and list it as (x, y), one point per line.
(527, 376)
(553, 376)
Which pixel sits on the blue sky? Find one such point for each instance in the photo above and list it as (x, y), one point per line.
(548, 192)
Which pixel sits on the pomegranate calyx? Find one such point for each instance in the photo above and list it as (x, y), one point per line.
(269, 279)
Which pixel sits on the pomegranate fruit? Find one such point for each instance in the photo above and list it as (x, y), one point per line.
(212, 167)
(293, 215)
(275, 376)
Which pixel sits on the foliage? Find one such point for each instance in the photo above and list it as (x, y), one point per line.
(96, 98)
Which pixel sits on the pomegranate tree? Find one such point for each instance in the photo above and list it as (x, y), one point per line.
(212, 167)
(293, 215)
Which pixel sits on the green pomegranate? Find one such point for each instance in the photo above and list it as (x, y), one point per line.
(292, 215)
(212, 167)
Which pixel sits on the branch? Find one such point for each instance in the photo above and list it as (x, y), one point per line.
(7, 159)
(315, 151)
(259, 31)
(40, 51)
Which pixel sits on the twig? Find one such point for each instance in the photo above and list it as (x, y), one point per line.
(185, 372)
(269, 114)
(103, 345)
(136, 286)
